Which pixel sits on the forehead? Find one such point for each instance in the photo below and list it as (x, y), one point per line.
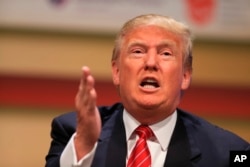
(151, 34)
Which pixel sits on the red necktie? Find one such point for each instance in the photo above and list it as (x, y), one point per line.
(140, 155)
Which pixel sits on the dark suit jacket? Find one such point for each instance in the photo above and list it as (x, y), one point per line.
(194, 143)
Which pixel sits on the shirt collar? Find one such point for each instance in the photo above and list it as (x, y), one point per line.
(159, 129)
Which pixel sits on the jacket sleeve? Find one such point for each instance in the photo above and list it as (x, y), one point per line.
(61, 132)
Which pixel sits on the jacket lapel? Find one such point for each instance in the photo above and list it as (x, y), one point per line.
(190, 124)
(117, 148)
(112, 148)
(179, 149)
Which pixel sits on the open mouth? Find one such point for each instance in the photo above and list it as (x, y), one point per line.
(149, 83)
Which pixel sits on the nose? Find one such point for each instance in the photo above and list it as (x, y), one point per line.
(151, 62)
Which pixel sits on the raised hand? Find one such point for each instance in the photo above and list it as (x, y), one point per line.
(88, 118)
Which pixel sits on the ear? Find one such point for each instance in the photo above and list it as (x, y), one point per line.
(187, 77)
(115, 72)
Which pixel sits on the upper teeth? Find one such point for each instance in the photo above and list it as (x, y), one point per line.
(150, 80)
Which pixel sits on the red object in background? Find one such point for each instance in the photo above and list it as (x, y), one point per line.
(60, 93)
(49, 92)
(201, 12)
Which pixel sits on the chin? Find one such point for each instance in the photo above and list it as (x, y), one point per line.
(149, 105)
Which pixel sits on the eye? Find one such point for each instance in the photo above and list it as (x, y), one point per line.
(166, 53)
(137, 51)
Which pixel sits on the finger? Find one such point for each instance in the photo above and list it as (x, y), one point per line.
(82, 87)
(90, 82)
(89, 98)
(91, 93)
(85, 74)
(86, 96)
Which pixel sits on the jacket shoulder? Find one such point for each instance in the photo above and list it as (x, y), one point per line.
(202, 130)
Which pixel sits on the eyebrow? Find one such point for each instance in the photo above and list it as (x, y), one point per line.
(167, 43)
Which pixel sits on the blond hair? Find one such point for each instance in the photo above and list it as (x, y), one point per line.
(165, 22)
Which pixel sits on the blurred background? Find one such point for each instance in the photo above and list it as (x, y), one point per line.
(44, 44)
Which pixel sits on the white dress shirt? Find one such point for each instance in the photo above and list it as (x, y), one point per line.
(158, 145)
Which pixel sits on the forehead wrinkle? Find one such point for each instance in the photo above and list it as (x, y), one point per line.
(161, 44)
(136, 42)
(167, 44)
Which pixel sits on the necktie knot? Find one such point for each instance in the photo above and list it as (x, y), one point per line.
(144, 131)
(140, 155)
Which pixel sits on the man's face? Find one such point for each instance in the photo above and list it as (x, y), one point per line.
(149, 72)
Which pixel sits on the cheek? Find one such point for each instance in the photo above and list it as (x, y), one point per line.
(129, 67)
(128, 75)
(173, 75)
